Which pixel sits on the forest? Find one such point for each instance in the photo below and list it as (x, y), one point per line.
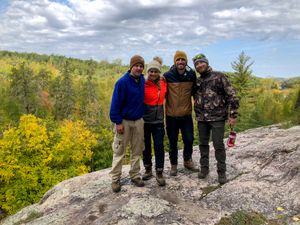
(54, 117)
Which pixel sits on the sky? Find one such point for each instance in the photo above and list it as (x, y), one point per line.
(268, 31)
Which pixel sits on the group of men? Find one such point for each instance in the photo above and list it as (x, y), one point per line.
(137, 110)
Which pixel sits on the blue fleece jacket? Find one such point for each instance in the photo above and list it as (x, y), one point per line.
(128, 99)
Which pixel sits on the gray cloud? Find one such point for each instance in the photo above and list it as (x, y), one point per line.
(114, 29)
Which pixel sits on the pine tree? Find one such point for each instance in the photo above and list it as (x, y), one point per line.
(23, 87)
(242, 75)
(297, 108)
(90, 106)
(297, 104)
(64, 94)
(43, 79)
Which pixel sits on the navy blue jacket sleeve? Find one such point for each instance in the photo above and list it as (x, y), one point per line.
(117, 103)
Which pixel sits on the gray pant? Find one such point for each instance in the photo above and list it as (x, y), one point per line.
(133, 134)
(216, 128)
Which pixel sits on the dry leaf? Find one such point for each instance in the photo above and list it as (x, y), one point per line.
(296, 218)
(280, 209)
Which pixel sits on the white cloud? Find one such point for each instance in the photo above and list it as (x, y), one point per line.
(148, 37)
(244, 12)
(119, 27)
(92, 11)
(200, 31)
(161, 3)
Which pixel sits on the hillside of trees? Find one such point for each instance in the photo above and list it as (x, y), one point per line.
(54, 118)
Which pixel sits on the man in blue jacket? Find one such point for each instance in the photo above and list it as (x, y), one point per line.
(126, 112)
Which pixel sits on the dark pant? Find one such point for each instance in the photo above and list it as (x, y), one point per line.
(217, 130)
(185, 125)
(157, 131)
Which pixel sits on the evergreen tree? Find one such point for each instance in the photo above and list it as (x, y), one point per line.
(297, 108)
(64, 94)
(23, 87)
(297, 104)
(90, 106)
(242, 75)
(43, 79)
(43, 82)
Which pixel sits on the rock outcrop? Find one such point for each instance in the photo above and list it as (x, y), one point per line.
(263, 171)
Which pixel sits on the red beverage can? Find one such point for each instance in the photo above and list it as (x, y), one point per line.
(231, 138)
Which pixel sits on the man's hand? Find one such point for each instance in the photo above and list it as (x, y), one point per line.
(120, 128)
(231, 121)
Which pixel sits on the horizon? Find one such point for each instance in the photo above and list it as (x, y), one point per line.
(124, 64)
(268, 32)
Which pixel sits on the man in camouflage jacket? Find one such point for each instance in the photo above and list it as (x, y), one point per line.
(215, 102)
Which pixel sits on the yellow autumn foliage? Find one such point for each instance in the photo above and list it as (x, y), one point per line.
(32, 159)
(74, 146)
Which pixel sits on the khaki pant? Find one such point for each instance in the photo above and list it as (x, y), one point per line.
(133, 134)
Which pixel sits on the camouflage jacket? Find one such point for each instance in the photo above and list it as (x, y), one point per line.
(214, 96)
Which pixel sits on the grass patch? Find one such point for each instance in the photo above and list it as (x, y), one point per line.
(32, 216)
(246, 218)
(208, 189)
(287, 125)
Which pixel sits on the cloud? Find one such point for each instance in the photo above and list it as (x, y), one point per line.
(244, 13)
(108, 29)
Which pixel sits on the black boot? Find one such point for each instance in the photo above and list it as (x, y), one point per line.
(203, 173)
(222, 178)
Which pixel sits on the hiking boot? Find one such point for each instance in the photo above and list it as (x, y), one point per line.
(138, 182)
(147, 175)
(116, 186)
(203, 173)
(188, 164)
(222, 178)
(160, 178)
(173, 171)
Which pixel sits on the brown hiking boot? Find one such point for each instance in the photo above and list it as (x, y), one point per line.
(160, 178)
(148, 174)
(222, 178)
(116, 186)
(190, 165)
(173, 171)
(138, 182)
(203, 173)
